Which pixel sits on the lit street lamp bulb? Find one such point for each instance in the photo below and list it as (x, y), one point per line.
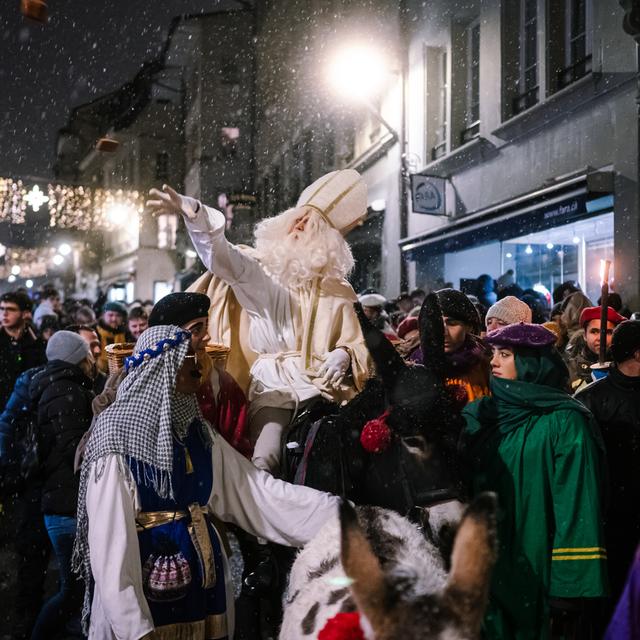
(15, 270)
(549, 245)
(576, 240)
(29, 284)
(64, 249)
(528, 250)
(11, 278)
(58, 259)
(358, 72)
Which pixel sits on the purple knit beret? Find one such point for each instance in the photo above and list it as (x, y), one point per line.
(522, 334)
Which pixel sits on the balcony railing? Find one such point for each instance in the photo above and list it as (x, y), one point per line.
(574, 72)
(471, 132)
(525, 100)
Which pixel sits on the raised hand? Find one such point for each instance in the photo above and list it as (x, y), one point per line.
(170, 201)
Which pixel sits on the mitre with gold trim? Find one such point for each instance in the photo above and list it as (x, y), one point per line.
(340, 197)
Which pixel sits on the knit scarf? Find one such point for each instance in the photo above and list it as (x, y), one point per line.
(139, 427)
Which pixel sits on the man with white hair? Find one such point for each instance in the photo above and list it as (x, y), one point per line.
(292, 287)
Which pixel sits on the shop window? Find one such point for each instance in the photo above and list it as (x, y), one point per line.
(161, 289)
(472, 106)
(229, 138)
(162, 166)
(437, 101)
(167, 229)
(570, 41)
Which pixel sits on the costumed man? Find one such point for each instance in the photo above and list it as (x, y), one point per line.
(303, 335)
(584, 348)
(221, 400)
(111, 330)
(153, 469)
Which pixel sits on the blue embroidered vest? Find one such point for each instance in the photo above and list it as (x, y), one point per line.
(192, 479)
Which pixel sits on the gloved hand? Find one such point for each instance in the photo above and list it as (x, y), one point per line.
(335, 366)
(170, 201)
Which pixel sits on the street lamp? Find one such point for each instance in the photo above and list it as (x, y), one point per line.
(58, 259)
(15, 270)
(359, 73)
(64, 249)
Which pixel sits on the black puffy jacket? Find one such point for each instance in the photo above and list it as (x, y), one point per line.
(62, 393)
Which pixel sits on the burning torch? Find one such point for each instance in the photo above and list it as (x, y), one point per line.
(605, 265)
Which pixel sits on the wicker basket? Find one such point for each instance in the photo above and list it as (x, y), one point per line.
(116, 353)
(218, 354)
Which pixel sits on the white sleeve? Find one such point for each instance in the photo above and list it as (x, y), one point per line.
(238, 269)
(257, 502)
(114, 550)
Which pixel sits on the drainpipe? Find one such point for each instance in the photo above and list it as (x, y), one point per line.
(404, 169)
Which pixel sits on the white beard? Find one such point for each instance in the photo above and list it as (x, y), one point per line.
(295, 260)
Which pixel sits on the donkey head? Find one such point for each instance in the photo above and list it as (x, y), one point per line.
(413, 391)
(421, 414)
(455, 612)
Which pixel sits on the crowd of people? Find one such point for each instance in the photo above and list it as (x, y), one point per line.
(114, 470)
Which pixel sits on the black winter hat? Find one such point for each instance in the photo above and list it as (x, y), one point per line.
(179, 308)
(625, 340)
(455, 304)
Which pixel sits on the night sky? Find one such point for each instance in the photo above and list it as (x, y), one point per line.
(88, 48)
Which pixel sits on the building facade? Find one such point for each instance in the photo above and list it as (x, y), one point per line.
(521, 121)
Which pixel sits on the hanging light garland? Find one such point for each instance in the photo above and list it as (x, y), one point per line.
(70, 207)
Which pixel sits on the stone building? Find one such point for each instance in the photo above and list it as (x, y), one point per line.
(527, 109)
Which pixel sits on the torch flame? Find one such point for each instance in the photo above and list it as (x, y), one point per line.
(604, 271)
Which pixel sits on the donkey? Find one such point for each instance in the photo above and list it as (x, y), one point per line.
(420, 468)
(379, 564)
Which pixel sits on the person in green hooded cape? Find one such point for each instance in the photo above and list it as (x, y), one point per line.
(540, 451)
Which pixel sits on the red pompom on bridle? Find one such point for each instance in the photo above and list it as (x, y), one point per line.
(343, 626)
(376, 435)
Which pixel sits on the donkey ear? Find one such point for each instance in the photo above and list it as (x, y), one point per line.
(474, 553)
(387, 360)
(432, 335)
(362, 566)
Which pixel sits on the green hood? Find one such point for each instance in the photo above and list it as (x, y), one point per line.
(539, 390)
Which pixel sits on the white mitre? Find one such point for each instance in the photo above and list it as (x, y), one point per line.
(340, 197)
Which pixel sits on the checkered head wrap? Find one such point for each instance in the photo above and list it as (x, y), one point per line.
(139, 426)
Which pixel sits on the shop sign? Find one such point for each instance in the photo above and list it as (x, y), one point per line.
(428, 194)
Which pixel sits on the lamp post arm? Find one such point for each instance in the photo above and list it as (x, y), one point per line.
(378, 116)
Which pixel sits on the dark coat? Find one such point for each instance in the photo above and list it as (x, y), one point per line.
(17, 421)
(615, 404)
(16, 356)
(63, 396)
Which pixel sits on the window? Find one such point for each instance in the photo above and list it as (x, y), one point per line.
(162, 166)
(570, 40)
(161, 289)
(229, 137)
(167, 229)
(472, 115)
(528, 91)
(437, 99)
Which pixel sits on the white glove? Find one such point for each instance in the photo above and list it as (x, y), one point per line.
(170, 201)
(335, 366)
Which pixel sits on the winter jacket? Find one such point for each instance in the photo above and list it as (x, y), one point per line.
(108, 336)
(16, 356)
(615, 404)
(63, 396)
(579, 358)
